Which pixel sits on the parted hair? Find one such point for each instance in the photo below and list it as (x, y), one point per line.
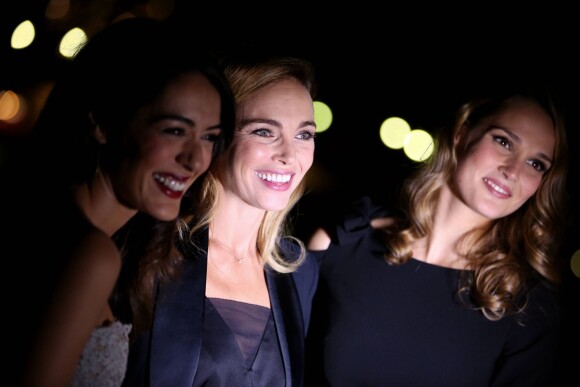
(507, 255)
(119, 70)
(247, 74)
(114, 74)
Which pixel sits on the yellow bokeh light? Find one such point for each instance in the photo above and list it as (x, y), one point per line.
(23, 35)
(56, 9)
(394, 131)
(322, 116)
(9, 105)
(575, 263)
(71, 42)
(418, 145)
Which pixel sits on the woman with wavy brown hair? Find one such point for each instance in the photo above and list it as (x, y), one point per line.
(458, 288)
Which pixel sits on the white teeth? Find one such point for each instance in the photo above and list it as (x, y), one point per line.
(276, 178)
(170, 183)
(495, 187)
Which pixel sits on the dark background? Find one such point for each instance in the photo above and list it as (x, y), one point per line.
(372, 62)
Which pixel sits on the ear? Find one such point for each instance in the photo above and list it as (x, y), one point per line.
(96, 130)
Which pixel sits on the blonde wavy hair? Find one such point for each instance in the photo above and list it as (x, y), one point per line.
(247, 75)
(508, 254)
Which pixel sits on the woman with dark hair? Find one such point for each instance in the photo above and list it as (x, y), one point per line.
(136, 118)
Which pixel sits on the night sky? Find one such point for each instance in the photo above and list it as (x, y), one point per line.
(371, 63)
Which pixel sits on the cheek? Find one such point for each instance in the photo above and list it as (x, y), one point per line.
(530, 185)
(205, 156)
(306, 158)
(461, 171)
(154, 155)
(152, 148)
(245, 151)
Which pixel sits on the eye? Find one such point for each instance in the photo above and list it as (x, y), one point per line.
(211, 137)
(262, 132)
(538, 165)
(174, 131)
(306, 135)
(503, 141)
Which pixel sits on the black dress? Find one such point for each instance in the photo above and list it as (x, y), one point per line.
(376, 324)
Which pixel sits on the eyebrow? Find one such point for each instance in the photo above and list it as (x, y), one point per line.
(247, 121)
(517, 139)
(178, 117)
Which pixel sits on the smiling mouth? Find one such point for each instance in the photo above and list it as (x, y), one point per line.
(274, 177)
(496, 187)
(169, 182)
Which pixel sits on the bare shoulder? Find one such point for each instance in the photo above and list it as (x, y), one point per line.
(96, 258)
(320, 240)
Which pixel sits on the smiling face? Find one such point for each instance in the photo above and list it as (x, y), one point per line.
(504, 168)
(169, 144)
(273, 145)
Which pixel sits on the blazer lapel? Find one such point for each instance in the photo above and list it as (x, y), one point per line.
(178, 324)
(288, 318)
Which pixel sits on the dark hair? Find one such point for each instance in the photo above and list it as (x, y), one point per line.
(119, 70)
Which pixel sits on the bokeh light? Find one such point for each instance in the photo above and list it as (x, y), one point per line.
(57, 9)
(9, 105)
(575, 263)
(322, 116)
(418, 145)
(394, 132)
(71, 42)
(23, 35)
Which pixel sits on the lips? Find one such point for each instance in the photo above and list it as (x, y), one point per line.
(276, 181)
(497, 189)
(173, 186)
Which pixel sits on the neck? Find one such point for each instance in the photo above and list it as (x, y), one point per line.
(230, 250)
(100, 205)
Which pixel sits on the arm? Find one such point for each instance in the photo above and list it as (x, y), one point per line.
(80, 304)
(320, 240)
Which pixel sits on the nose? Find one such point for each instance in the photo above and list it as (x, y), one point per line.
(192, 156)
(285, 152)
(510, 169)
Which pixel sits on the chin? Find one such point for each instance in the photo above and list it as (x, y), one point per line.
(164, 215)
(275, 205)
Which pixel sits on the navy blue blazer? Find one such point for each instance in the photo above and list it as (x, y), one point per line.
(168, 355)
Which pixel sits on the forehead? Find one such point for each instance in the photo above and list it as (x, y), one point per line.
(285, 95)
(527, 120)
(191, 83)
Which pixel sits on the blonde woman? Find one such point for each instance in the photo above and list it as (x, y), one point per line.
(239, 312)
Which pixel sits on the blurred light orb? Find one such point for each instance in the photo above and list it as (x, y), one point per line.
(322, 116)
(418, 145)
(23, 35)
(57, 9)
(394, 132)
(575, 263)
(9, 105)
(71, 42)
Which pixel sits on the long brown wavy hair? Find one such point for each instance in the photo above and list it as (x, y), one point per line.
(505, 256)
